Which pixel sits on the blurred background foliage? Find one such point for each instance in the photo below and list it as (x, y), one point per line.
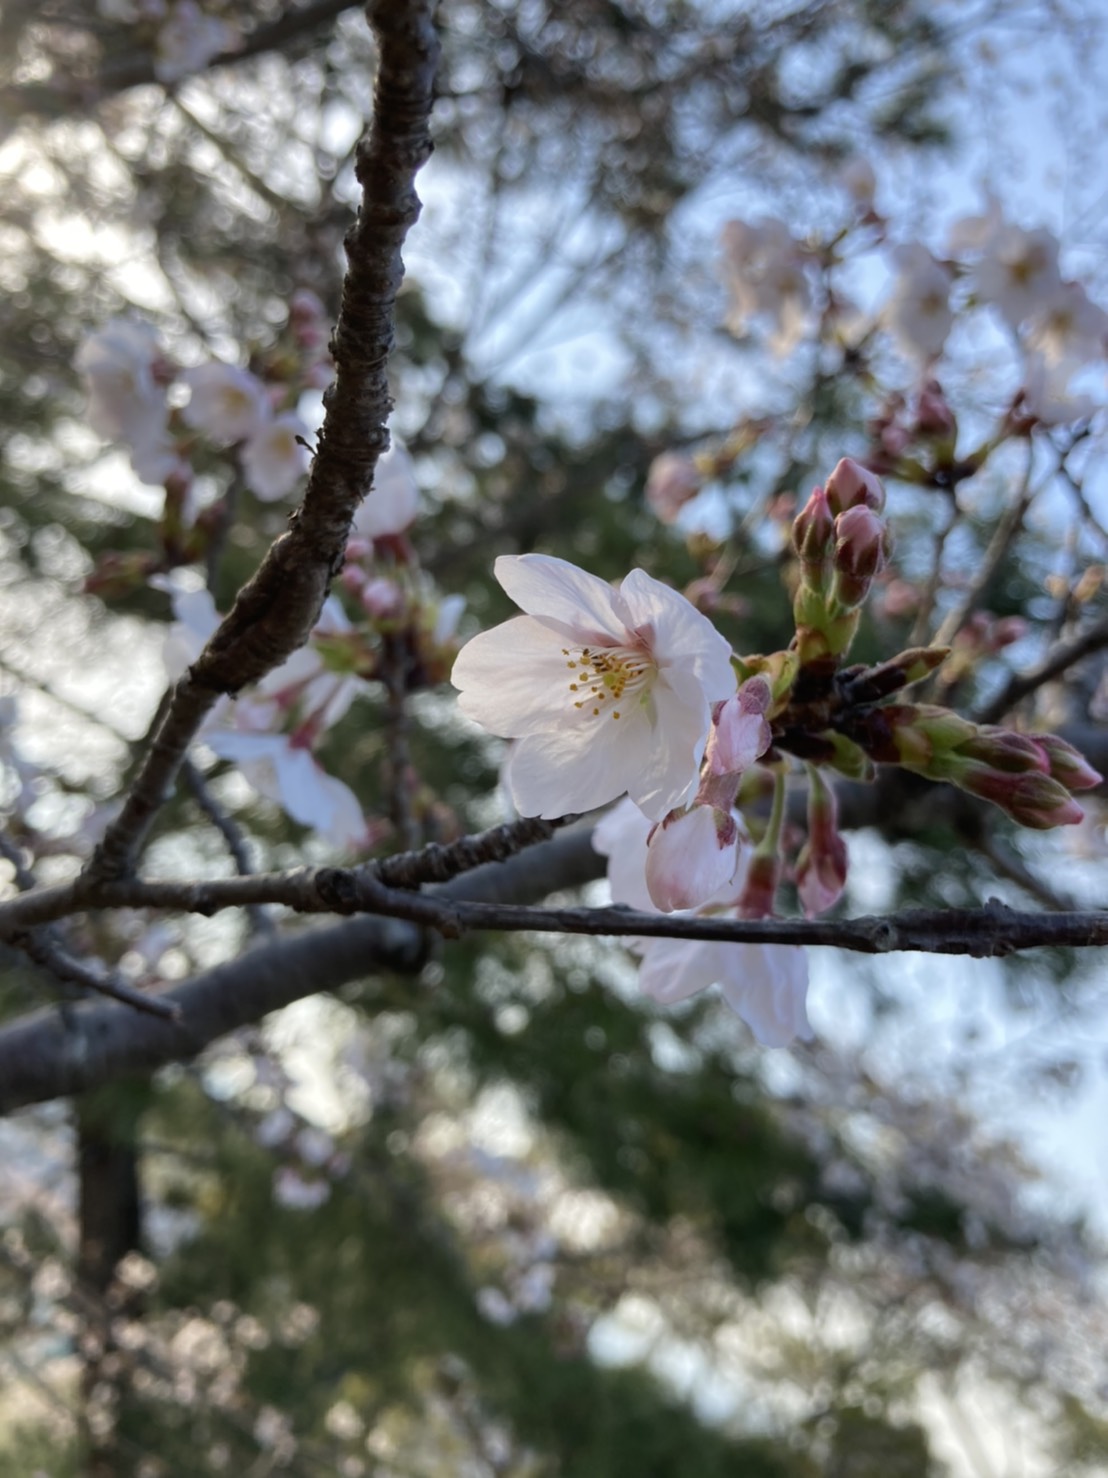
(499, 1218)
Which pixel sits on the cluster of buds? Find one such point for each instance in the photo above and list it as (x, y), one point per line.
(842, 545)
(1032, 777)
(822, 865)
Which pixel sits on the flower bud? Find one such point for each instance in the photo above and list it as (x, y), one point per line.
(1006, 751)
(853, 486)
(933, 414)
(1069, 767)
(690, 856)
(673, 480)
(861, 543)
(740, 732)
(1007, 630)
(1032, 799)
(822, 866)
(759, 887)
(814, 530)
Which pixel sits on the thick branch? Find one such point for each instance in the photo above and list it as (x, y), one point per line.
(305, 889)
(276, 609)
(45, 1056)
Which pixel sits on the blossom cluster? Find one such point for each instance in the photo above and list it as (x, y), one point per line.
(629, 691)
(230, 411)
(990, 263)
(272, 731)
(633, 691)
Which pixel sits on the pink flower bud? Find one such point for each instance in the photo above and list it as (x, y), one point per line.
(306, 306)
(673, 480)
(933, 414)
(853, 486)
(759, 887)
(1067, 765)
(381, 598)
(740, 732)
(1006, 751)
(861, 543)
(1032, 799)
(1007, 630)
(690, 856)
(822, 866)
(900, 598)
(814, 529)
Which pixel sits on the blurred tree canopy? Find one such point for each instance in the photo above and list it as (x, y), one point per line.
(479, 1209)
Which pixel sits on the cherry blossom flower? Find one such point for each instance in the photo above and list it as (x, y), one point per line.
(195, 620)
(228, 404)
(1018, 271)
(118, 364)
(1068, 329)
(973, 233)
(765, 271)
(858, 179)
(606, 690)
(766, 985)
(316, 695)
(288, 774)
(918, 313)
(155, 459)
(673, 480)
(393, 501)
(740, 731)
(274, 459)
(1046, 394)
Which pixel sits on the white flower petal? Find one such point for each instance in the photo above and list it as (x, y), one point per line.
(766, 984)
(393, 501)
(621, 837)
(668, 775)
(514, 680)
(565, 772)
(555, 590)
(679, 636)
(686, 863)
(672, 970)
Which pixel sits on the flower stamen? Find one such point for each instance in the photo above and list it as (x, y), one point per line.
(609, 672)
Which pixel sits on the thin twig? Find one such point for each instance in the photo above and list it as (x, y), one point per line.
(438, 864)
(1005, 531)
(37, 945)
(991, 932)
(44, 946)
(71, 96)
(1007, 865)
(233, 836)
(931, 588)
(1020, 686)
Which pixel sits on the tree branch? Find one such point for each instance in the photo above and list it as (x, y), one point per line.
(1022, 685)
(276, 609)
(45, 1055)
(73, 96)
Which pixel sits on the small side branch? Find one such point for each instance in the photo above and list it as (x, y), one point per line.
(1022, 685)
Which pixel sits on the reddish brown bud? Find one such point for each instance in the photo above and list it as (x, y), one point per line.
(853, 486)
(814, 530)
